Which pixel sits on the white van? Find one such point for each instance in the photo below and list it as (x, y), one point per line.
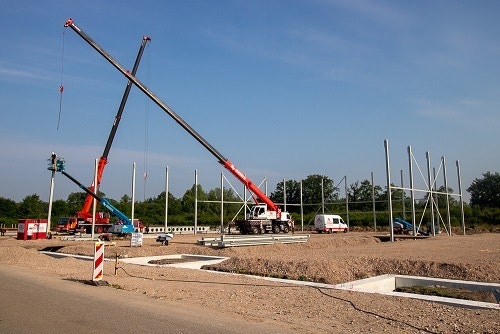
(329, 224)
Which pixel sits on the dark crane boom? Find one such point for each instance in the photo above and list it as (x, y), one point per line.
(84, 213)
(259, 196)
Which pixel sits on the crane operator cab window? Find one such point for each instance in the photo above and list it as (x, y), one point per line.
(258, 211)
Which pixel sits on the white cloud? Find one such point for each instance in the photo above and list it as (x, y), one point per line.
(20, 74)
(373, 10)
(466, 112)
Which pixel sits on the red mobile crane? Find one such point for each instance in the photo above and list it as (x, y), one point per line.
(83, 218)
(265, 216)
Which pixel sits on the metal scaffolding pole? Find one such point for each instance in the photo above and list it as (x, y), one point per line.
(436, 199)
(51, 191)
(322, 196)
(301, 208)
(403, 196)
(94, 201)
(166, 198)
(346, 202)
(412, 190)
(448, 217)
(284, 195)
(429, 187)
(389, 196)
(195, 200)
(461, 196)
(222, 207)
(245, 199)
(133, 197)
(373, 205)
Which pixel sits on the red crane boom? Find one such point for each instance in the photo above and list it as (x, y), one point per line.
(259, 196)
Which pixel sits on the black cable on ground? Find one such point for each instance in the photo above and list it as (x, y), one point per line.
(286, 286)
(372, 313)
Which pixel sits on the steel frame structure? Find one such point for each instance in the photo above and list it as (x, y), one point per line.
(430, 190)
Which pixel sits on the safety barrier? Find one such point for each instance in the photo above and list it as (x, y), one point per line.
(7, 230)
(98, 261)
(179, 229)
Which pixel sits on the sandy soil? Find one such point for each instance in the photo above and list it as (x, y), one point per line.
(325, 258)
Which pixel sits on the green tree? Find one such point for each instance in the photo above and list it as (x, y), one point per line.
(8, 208)
(124, 205)
(8, 211)
(311, 189)
(361, 195)
(32, 207)
(485, 192)
(126, 200)
(60, 208)
(230, 209)
(174, 204)
(441, 198)
(188, 198)
(311, 192)
(152, 210)
(75, 202)
(292, 193)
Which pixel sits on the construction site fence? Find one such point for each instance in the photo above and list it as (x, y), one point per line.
(179, 229)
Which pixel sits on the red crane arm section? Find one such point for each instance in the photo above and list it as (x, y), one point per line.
(258, 194)
(89, 199)
(250, 185)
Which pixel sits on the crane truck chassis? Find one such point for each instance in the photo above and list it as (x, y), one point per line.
(265, 216)
(259, 223)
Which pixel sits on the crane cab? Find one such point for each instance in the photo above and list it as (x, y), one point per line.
(260, 211)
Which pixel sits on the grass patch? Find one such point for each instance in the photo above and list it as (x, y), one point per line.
(441, 291)
(117, 286)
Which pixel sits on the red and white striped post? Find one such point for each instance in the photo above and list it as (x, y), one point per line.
(98, 261)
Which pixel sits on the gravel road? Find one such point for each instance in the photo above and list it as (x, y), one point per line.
(332, 258)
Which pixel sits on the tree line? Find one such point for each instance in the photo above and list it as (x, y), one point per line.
(317, 193)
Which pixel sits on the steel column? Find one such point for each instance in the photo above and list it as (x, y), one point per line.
(389, 195)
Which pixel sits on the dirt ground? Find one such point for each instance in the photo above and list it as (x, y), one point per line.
(326, 258)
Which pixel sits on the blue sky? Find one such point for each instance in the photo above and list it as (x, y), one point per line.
(284, 89)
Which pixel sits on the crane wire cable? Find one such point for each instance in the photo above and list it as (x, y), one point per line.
(61, 87)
